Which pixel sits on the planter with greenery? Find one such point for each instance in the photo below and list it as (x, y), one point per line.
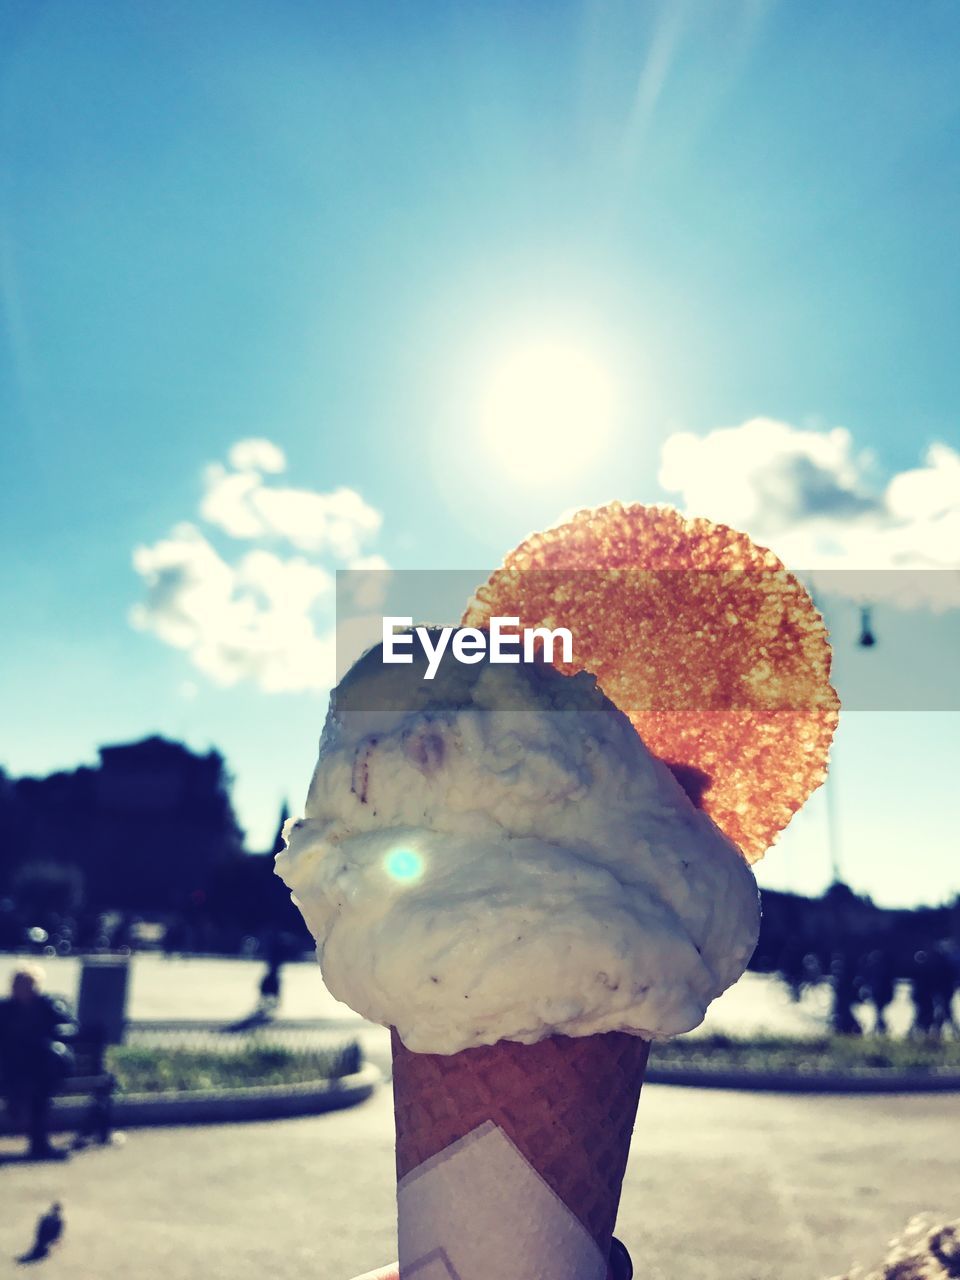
(172, 1070)
(854, 1057)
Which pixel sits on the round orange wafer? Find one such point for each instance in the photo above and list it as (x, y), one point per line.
(715, 652)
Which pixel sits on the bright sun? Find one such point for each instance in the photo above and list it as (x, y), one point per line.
(547, 407)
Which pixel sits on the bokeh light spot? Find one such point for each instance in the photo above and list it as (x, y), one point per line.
(403, 865)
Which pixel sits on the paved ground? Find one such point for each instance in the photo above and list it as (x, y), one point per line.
(721, 1186)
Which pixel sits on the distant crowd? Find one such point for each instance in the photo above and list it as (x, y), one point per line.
(863, 973)
(868, 978)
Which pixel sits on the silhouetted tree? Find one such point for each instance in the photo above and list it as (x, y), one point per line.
(144, 828)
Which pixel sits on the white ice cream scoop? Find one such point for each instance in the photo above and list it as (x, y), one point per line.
(494, 854)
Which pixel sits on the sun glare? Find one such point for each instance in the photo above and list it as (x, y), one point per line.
(547, 407)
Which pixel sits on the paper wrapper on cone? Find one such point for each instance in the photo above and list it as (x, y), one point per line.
(520, 1148)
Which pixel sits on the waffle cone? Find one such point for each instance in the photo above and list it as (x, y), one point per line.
(568, 1104)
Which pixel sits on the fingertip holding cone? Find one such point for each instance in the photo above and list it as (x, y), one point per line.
(568, 1104)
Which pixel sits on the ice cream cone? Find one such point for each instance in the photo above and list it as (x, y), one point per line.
(567, 1104)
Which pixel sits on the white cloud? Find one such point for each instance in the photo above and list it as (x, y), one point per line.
(766, 475)
(368, 564)
(258, 455)
(238, 500)
(261, 615)
(812, 498)
(930, 491)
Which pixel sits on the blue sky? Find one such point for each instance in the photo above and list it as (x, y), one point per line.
(331, 228)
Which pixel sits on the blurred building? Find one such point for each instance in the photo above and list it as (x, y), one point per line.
(141, 831)
(800, 935)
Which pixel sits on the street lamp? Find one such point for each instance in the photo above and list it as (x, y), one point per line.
(867, 638)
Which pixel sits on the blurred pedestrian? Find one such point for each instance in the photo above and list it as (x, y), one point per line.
(846, 991)
(791, 967)
(880, 979)
(34, 1057)
(270, 989)
(951, 956)
(174, 937)
(923, 983)
(943, 982)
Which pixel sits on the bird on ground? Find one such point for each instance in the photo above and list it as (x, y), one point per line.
(49, 1233)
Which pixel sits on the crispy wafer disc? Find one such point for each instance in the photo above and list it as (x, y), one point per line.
(715, 652)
